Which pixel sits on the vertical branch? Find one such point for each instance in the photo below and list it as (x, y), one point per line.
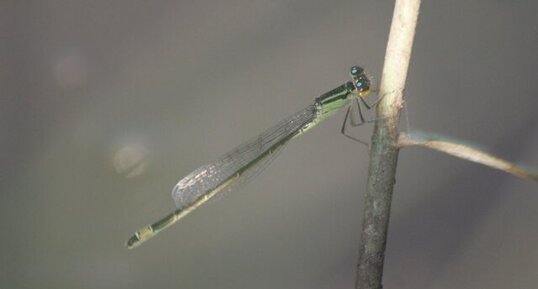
(384, 150)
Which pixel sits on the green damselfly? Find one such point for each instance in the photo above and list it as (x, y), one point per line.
(245, 161)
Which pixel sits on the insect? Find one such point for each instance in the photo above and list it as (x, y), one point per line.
(246, 160)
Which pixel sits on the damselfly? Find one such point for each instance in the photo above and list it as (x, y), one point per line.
(243, 162)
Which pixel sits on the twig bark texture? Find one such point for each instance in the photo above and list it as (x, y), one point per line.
(384, 149)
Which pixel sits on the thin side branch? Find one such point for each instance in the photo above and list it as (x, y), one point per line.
(384, 150)
(467, 152)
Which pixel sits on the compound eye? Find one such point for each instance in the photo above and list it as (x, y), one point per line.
(356, 70)
(362, 84)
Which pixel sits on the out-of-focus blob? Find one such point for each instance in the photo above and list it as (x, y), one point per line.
(131, 161)
(70, 72)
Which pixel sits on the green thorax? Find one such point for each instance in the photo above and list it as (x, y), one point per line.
(332, 101)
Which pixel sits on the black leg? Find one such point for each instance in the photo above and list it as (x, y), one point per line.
(367, 107)
(359, 111)
(366, 104)
(344, 125)
(349, 117)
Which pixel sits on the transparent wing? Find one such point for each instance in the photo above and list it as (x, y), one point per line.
(247, 160)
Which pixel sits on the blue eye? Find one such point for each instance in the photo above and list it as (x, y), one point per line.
(359, 84)
(356, 70)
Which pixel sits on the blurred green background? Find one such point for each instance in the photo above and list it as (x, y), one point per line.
(105, 105)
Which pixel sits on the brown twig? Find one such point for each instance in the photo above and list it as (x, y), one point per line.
(384, 149)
